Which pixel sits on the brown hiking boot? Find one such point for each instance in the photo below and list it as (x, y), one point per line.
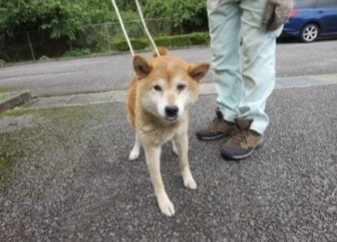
(216, 129)
(242, 142)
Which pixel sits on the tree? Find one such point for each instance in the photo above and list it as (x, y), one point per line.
(61, 17)
(188, 11)
(64, 21)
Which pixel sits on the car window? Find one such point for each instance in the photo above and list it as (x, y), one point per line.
(305, 4)
(327, 4)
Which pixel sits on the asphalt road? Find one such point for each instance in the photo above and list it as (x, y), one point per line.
(114, 72)
(70, 179)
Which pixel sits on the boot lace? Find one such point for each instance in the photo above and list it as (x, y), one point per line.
(213, 124)
(240, 135)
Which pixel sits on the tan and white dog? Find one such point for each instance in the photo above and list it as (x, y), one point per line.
(158, 103)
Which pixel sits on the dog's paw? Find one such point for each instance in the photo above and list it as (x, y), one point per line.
(134, 154)
(166, 207)
(189, 182)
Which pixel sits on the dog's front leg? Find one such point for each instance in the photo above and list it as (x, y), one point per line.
(134, 154)
(181, 140)
(152, 155)
(174, 148)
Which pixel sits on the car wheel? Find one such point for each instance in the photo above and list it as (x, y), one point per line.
(309, 33)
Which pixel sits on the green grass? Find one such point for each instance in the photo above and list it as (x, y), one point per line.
(4, 95)
(6, 92)
(4, 160)
(76, 52)
(2, 63)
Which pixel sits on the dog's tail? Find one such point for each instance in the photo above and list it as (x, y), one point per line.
(161, 50)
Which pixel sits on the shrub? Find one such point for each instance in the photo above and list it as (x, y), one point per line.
(4, 95)
(166, 41)
(93, 38)
(2, 63)
(200, 38)
(44, 57)
(137, 44)
(76, 52)
(173, 41)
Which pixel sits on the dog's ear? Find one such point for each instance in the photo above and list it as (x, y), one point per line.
(141, 66)
(198, 71)
(162, 51)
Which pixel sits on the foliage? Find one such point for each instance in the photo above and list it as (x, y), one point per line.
(200, 38)
(3, 95)
(94, 37)
(167, 41)
(181, 11)
(60, 17)
(137, 44)
(174, 41)
(129, 4)
(44, 57)
(78, 24)
(76, 52)
(95, 11)
(2, 63)
(65, 17)
(4, 160)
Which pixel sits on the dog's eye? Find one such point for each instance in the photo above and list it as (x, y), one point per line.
(157, 88)
(181, 87)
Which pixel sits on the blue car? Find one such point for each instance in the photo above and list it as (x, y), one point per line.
(311, 19)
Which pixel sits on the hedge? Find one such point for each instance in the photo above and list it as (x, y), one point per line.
(167, 41)
(137, 44)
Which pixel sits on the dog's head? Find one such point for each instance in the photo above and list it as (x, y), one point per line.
(167, 85)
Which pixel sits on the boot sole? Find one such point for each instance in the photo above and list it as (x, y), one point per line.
(213, 137)
(237, 157)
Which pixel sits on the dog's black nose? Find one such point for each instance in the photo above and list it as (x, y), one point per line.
(171, 111)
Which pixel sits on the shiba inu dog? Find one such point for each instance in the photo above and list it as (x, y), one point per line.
(158, 102)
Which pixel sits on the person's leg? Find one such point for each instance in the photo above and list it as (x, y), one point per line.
(259, 64)
(258, 75)
(224, 26)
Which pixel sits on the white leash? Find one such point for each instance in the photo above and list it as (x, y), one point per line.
(144, 25)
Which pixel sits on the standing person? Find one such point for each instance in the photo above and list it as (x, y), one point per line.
(243, 92)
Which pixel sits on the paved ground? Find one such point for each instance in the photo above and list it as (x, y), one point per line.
(70, 179)
(206, 88)
(67, 177)
(113, 72)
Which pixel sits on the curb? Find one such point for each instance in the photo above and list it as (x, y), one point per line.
(205, 89)
(14, 100)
